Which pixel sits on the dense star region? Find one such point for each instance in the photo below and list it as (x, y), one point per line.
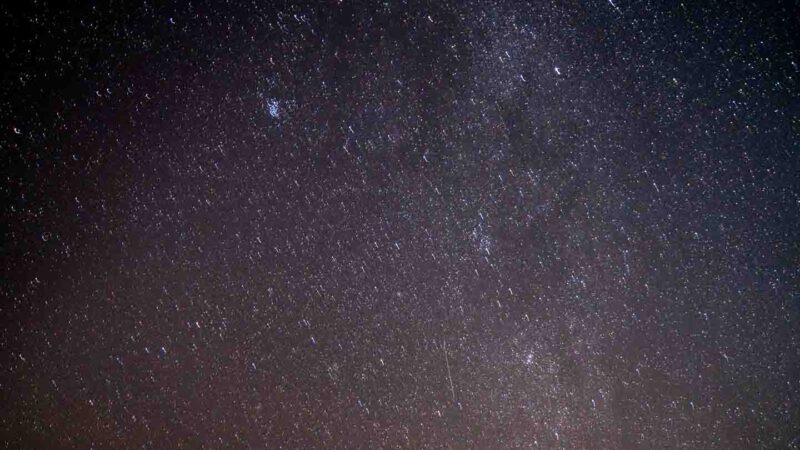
(400, 224)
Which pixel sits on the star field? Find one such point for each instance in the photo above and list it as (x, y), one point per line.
(485, 225)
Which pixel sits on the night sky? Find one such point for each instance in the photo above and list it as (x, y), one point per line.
(420, 225)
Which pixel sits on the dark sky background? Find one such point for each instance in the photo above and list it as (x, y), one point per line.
(483, 225)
